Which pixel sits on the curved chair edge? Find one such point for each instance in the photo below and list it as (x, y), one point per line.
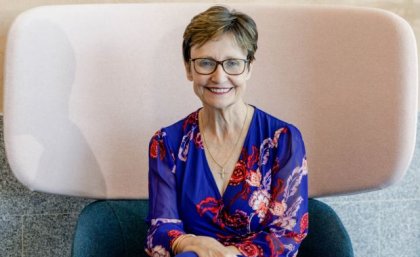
(327, 235)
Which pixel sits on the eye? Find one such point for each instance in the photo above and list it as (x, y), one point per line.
(232, 63)
(206, 63)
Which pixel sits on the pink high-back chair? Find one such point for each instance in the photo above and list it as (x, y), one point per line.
(86, 86)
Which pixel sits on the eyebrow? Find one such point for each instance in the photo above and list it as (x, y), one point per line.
(228, 58)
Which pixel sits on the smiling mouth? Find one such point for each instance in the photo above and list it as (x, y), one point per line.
(219, 91)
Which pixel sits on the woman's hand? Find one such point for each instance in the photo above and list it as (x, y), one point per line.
(205, 246)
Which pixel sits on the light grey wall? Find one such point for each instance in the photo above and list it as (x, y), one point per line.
(385, 223)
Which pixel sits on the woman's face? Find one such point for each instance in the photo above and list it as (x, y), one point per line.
(219, 89)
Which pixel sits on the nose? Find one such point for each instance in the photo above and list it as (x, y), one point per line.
(219, 75)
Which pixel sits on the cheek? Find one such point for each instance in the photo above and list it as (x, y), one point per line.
(199, 81)
(239, 82)
(198, 88)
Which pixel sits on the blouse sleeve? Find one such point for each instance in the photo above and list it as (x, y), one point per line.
(285, 224)
(165, 225)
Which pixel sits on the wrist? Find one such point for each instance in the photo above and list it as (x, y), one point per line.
(180, 242)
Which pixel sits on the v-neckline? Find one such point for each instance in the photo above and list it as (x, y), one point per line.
(208, 171)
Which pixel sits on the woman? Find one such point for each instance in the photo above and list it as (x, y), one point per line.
(229, 179)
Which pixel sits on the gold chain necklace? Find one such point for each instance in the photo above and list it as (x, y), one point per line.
(223, 171)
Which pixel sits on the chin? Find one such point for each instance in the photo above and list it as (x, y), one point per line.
(221, 104)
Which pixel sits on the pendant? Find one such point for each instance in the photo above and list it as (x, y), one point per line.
(222, 173)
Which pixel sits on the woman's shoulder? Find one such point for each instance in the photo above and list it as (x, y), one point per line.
(270, 122)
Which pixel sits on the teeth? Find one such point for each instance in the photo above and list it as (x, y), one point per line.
(219, 90)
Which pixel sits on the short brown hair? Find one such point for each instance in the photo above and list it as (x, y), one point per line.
(216, 21)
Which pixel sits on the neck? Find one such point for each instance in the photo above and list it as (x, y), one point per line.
(221, 124)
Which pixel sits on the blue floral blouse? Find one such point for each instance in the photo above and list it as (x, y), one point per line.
(263, 211)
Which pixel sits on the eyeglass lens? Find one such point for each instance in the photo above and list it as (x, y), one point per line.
(207, 66)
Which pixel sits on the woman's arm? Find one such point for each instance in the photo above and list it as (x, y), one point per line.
(285, 218)
(163, 218)
(203, 246)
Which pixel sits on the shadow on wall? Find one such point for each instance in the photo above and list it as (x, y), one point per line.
(47, 161)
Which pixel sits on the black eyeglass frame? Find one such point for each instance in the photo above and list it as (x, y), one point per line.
(221, 63)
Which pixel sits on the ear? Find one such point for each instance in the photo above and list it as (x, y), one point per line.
(188, 70)
(249, 70)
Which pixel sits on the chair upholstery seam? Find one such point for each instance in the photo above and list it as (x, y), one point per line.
(119, 225)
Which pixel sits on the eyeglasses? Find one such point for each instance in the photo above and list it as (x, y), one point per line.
(206, 66)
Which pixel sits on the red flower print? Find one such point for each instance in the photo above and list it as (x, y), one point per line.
(162, 151)
(198, 141)
(157, 148)
(275, 245)
(211, 205)
(233, 239)
(237, 220)
(277, 187)
(154, 148)
(250, 250)
(191, 119)
(276, 166)
(298, 237)
(304, 222)
(259, 202)
(278, 208)
(174, 234)
(253, 158)
(254, 178)
(238, 174)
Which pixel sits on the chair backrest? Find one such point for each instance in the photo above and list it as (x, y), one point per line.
(86, 86)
